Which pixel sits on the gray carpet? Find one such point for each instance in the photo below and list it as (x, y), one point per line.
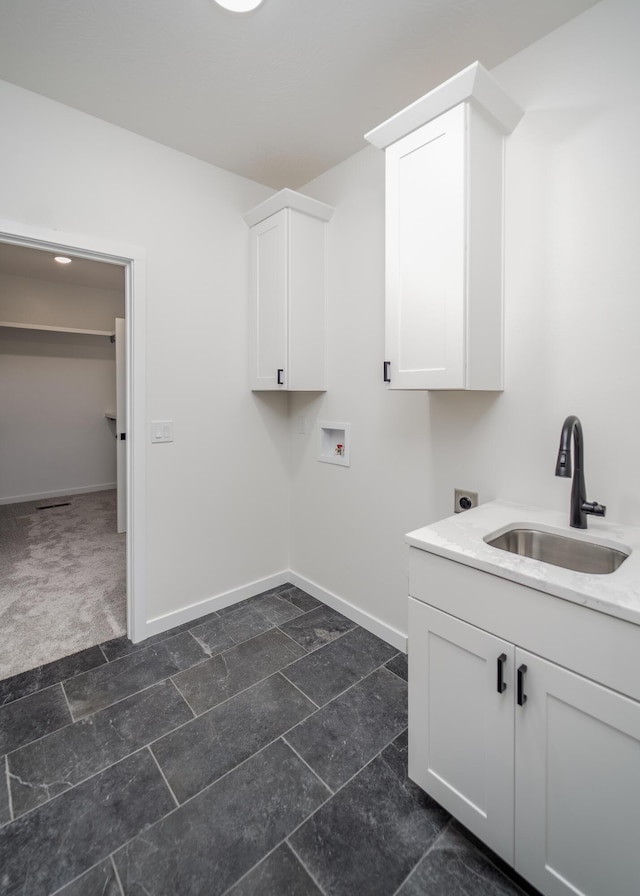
(62, 579)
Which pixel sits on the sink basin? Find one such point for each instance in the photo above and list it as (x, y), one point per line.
(560, 550)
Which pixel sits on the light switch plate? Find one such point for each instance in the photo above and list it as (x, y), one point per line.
(161, 431)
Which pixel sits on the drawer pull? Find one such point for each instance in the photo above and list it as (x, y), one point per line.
(522, 697)
(502, 685)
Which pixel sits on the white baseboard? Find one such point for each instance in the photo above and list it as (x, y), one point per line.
(59, 493)
(389, 634)
(219, 602)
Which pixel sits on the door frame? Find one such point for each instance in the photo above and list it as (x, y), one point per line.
(133, 259)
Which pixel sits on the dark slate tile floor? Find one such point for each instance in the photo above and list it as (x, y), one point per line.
(259, 751)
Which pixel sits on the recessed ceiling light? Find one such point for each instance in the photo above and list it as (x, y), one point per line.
(62, 259)
(239, 5)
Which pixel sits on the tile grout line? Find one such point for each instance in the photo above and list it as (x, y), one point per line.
(110, 764)
(318, 647)
(9, 794)
(298, 689)
(155, 739)
(164, 778)
(57, 796)
(281, 736)
(75, 721)
(304, 865)
(41, 690)
(490, 856)
(115, 702)
(278, 671)
(156, 640)
(155, 684)
(140, 690)
(160, 642)
(424, 855)
(172, 675)
(355, 774)
(312, 770)
(347, 688)
(242, 691)
(200, 792)
(182, 697)
(255, 753)
(78, 877)
(61, 728)
(117, 876)
(66, 700)
(74, 718)
(211, 784)
(287, 839)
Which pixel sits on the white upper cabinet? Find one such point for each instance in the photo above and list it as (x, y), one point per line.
(444, 210)
(287, 289)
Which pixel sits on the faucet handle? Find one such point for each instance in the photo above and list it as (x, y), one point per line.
(594, 508)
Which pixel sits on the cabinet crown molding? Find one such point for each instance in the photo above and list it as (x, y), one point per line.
(473, 84)
(288, 199)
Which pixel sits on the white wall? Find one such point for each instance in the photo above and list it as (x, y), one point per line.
(217, 509)
(571, 333)
(217, 496)
(55, 389)
(347, 523)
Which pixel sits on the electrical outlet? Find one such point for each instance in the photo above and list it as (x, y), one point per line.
(464, 500)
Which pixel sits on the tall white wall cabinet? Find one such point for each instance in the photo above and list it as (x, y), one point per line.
(288, 284)
(444, 208)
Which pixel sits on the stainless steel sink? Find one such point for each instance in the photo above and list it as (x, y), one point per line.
(560, 550)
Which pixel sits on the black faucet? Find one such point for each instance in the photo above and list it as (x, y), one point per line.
(580, 507)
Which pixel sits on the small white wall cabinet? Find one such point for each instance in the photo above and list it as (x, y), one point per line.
(444, 209)
(542, 763)
(287, 289)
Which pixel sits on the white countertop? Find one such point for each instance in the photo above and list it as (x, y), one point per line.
(461, 538)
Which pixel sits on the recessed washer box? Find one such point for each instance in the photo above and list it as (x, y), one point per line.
(335, 443)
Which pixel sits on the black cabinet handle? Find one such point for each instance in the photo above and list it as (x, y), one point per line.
(522, 697)
(502, 685)
(385, 372)
(279, 377)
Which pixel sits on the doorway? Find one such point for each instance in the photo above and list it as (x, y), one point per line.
(132, 261)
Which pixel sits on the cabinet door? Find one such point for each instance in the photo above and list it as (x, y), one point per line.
(461, 725)
(426, 255)
(269, 284)
(577, 784)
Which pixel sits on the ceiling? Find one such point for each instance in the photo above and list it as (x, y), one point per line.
(278, 95)
(21, 261)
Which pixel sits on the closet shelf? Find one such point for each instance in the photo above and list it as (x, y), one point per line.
(50, 329)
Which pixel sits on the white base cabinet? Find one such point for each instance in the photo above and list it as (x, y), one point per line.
(541, 763)
(577, 821)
